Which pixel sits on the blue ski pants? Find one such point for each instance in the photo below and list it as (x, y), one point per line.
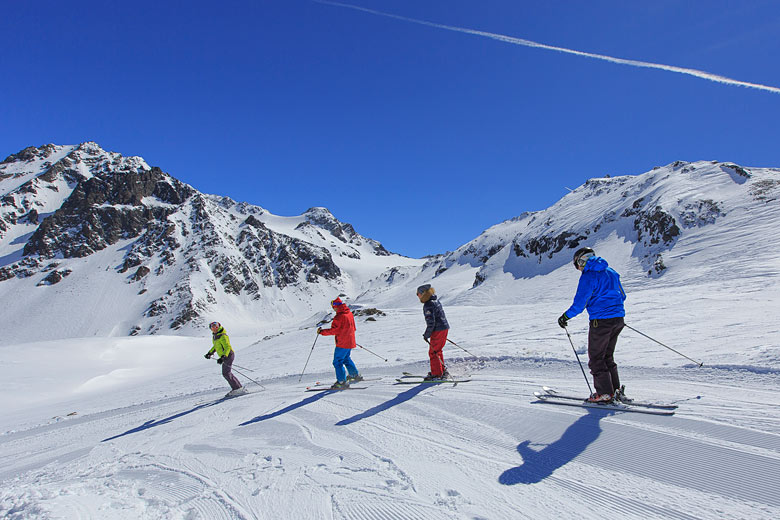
(341, 359)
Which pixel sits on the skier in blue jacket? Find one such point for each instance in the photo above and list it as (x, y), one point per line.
(600, 292)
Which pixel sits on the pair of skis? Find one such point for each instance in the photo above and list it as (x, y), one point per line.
(326, 387)
(411, 379)
(552, 396)
(406, 379)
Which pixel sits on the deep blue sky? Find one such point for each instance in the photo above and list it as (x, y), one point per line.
(420, 137)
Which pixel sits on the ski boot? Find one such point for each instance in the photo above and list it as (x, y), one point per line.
(238, 391)
(599, 398)
(620, 395)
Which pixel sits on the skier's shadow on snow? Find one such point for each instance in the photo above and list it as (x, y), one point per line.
(152, 423)
(277, 413)
(400, 398)
(540, 464)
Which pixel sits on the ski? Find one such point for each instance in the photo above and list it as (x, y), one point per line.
(329, 389)
(228, 396)
(436, 381)
(554, 393)
(320, 383)
(549, 399)
(409, 375)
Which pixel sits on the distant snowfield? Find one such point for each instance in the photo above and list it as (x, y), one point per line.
(150, 438)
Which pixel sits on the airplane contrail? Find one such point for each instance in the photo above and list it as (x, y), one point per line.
(528, 43)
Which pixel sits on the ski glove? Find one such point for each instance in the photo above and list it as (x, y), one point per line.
(220, 360)
(563, 320)
(208, 356)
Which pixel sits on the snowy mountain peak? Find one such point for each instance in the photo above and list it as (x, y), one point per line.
(110, 245)
(93, 228)
(686, 220)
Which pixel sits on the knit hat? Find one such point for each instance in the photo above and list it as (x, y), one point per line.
(423, 288)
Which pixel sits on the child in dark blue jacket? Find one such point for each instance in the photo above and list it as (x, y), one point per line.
(600, 292)
(435, 332)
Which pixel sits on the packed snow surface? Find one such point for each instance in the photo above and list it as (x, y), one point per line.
(150, 437)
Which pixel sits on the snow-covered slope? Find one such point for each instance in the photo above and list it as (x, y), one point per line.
(169, 449)
(681, 225)
(96, 244)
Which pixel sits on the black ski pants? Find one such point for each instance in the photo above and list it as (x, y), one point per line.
(602, 338)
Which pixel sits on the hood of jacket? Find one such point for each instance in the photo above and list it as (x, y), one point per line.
(596, 264)
(342, 309)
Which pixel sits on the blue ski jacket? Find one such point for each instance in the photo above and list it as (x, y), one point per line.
(434, 317)
(599, 291)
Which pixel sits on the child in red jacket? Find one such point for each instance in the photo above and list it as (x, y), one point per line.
(343, 327)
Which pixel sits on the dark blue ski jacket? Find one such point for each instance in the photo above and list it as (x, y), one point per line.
(599, 291)
(434, 317)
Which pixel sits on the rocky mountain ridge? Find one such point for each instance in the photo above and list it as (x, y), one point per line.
(185, 252)
(657, 223)
(94, 243)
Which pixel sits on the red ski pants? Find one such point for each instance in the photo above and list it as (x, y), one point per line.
(438, 339)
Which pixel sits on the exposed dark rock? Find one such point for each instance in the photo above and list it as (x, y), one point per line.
(656, 226)
(156, 308)
(140, 273)
(54, 277)
(30, 153)
(371, 311)
(700, 213)
(191, 311)
(547, 245)
(739, 170)
(765, 190)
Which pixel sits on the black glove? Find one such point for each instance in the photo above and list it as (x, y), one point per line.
(563, 320)
(208, 356)
(220, 360)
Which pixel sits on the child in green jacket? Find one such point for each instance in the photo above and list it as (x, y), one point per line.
(221, 343)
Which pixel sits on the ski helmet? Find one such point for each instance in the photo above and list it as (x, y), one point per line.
(215, 325)
(581, 256)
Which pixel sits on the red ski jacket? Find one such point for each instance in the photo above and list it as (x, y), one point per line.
(343, 327)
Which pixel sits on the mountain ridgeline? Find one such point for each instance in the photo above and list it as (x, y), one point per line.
(185, 253)
(94, 243)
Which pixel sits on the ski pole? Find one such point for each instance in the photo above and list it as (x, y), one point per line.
(463, 349)
(364, 348)
(578, 361)
(243, 368)
(246, 376)
(307, 359)
(670, 348)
